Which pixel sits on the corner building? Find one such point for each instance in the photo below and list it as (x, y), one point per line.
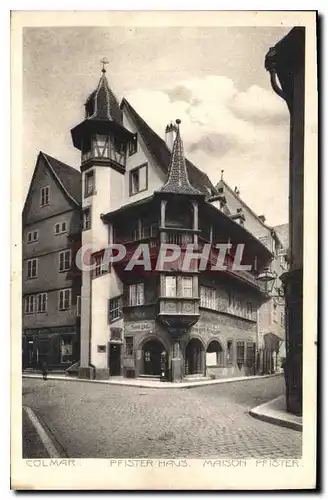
(138, 188)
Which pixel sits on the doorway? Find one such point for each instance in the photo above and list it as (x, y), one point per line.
(115, 359)
(194, 357)
(152, 357)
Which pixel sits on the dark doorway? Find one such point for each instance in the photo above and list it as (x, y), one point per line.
(115, 359)
(152, 357)
(194, 357)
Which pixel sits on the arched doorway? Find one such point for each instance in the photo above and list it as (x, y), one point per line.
(194, 357)
(214, 354)
(152, 351)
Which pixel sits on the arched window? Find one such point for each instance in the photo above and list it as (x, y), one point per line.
(214, 354)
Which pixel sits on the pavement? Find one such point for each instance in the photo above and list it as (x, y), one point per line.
(149, 383)
(99, 420)
(275, 412)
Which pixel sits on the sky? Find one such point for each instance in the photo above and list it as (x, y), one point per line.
(212, 78)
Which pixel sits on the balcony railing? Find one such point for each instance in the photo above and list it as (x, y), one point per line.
(178, 238)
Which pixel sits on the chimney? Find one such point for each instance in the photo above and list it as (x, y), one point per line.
(170, 135)
(262, 218)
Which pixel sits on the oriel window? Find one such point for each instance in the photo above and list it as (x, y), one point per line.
(170, 286)
(186, 286)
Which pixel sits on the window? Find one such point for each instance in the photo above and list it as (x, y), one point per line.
(170, 286)
(229, 352)
(214, 354)
(115, 308)
(119, 146)
(133, 145)
(89, 184)
(64, 260)
(44, 196)
(32, 268)
(240, 354)
(29, 304)
(100, 266)
(78, 306)
(207, 297)
(42, 299)
(64, 301)
(138, 179)
(61, 227)
(66, 351)
(186, 286)
(129, 346)
(32, 236)
(136, 294)
(250, 354)
(86, 219)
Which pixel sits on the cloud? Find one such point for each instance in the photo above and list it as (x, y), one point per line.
(216, 144)
(244, 133)
(258, 104)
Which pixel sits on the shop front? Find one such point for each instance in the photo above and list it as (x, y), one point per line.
(58, 347)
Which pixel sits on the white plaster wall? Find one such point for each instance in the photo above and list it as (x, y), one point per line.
(99, 320)
(156, 177)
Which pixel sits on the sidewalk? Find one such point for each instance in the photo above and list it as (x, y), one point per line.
(154, 384)
(275, 412)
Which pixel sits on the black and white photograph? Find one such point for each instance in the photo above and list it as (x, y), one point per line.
(163, 172)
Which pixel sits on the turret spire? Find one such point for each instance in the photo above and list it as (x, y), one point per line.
(178, 181)
(103, 62)
(102, 102)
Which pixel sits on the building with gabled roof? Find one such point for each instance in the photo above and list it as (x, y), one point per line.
(50, 281)
(139, 191)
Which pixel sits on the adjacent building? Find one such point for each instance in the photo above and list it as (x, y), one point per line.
(51, 282)
(286, 64)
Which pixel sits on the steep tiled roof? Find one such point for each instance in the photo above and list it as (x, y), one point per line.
(103, 103)
(177, 180)
(68, 177)
(162, 154)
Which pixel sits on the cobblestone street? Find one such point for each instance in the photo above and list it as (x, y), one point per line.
(103, 421)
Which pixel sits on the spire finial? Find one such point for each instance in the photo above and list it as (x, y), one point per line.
(222, 172)
(178, 121)
(103, 62)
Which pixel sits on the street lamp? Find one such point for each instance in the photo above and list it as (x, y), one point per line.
(268, 278)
